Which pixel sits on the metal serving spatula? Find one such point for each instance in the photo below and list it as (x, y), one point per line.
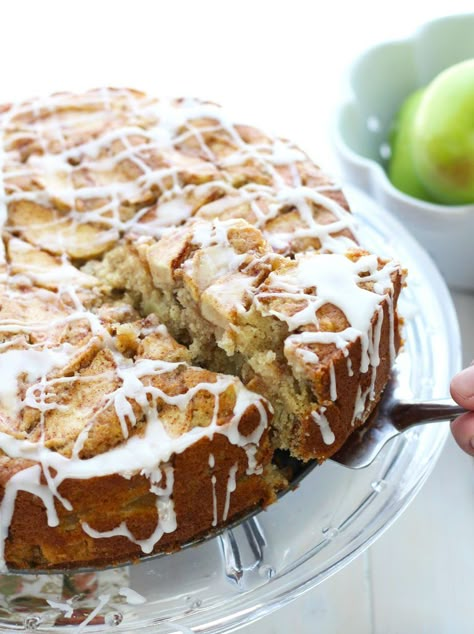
(391, 417)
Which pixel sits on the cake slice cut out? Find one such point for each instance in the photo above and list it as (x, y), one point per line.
(316, 334)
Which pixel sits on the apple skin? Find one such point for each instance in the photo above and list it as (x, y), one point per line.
(443, 136)
(401, 168)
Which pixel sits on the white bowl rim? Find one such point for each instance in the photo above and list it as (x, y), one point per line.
(374, 169)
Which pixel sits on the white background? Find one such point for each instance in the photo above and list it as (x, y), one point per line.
(275, 63)
(279, 65)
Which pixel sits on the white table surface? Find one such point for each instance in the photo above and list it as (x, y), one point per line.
(279, 65)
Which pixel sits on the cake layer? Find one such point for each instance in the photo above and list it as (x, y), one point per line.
(102, 520)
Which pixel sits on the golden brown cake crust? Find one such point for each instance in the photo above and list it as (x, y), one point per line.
(153, 283)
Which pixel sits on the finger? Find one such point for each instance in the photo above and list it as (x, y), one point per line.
(463, 432)
(462, 388)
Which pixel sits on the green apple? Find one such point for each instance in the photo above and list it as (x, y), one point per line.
(443, 136)
(401, 168)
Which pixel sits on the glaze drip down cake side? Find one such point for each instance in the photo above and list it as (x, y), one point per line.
(180, 297)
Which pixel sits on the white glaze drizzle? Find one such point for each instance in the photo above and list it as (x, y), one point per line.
(166, 518)
(332, 382)
(231, 486)
(350, 369)
(212, 464)
(214, 500)
(170, 124)
(337, 281)
(326, 432)
(360, 404)
(36, 364)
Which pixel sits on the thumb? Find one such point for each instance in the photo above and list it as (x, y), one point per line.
(462, 388)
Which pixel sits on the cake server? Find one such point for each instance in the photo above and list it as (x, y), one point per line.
(392, 417)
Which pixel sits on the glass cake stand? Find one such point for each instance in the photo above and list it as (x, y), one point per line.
(310, 534)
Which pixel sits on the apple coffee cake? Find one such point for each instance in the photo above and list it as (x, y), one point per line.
(181, 296)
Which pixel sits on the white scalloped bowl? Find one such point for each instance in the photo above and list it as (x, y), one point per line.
(379, 81)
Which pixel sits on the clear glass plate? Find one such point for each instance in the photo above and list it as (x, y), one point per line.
(309, 535)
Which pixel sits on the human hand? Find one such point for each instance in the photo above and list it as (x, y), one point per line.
(462, 391)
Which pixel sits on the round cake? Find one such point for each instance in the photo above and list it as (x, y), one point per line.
(181, 296)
